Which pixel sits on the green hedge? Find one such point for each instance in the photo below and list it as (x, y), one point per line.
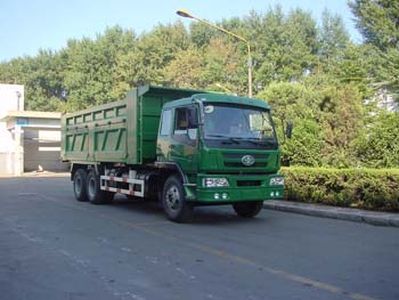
(374, 189)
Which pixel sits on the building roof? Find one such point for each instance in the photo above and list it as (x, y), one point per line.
(32, 114)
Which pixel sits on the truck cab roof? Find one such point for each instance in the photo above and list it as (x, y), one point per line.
(219, 98)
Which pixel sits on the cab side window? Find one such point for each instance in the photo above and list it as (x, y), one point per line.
(181, 121)
(166, 123)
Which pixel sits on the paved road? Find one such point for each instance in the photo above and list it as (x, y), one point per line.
(52, 247)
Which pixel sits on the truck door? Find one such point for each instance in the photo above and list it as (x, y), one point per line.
(184, 139)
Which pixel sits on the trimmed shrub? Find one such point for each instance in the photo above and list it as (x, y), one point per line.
(373, 189)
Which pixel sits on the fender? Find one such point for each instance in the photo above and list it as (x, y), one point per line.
(174, 166)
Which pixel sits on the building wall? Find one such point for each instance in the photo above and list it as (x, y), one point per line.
(42, 148)
(29, 141)
(6, 164)
(11, 99)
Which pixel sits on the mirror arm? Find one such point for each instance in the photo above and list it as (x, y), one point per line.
(283, 127)
(201, 107)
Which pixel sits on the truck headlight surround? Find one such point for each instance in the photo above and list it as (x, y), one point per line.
(215, 182)
(277, 181)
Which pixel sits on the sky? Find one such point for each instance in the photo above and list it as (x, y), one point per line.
(27, 26)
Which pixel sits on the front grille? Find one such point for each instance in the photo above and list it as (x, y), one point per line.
(240, 165)
(233, 160)
(261, 156)
(249, 182)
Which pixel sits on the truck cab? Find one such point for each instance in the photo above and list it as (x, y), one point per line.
(227, 149)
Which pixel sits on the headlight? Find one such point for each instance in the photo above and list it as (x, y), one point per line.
(215, 182)
(277, 181)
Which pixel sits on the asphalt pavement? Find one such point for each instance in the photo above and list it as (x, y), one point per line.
(53, 247)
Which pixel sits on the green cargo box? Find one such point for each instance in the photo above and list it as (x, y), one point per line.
(119, 132)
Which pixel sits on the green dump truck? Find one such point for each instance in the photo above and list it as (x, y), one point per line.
(184, 148)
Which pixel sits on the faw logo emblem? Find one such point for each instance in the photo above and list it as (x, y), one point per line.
(248, 160)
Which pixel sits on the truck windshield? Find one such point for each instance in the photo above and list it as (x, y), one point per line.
(238, 124)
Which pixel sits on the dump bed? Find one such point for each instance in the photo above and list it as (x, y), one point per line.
(123, 131)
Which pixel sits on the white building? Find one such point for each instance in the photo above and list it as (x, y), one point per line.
(29, 140)
(11, 99)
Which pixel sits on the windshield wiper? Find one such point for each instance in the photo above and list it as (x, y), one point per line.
(229, 138)
(256, 141)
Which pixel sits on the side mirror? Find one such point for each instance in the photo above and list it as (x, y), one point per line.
(288, 129)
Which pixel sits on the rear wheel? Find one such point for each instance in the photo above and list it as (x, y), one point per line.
(94, 193)
(248, 209)
(79, 185)
(174, 203)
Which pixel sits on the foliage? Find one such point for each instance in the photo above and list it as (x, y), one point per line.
(361, 188)
(327, 116)
(341, 117)
(89, 79)
(333, 36)
(305, 146)
(378, 21)
(284, 46)
(187, 69)
(378, 146)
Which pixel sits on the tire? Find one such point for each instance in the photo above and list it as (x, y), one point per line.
(176, 207)
(248, 209)
(94, 194)
(80, 185)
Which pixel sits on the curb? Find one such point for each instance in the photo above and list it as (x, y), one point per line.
(341, 213)
(45, 174)
(37, 175)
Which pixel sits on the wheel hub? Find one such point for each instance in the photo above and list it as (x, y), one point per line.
(92, 187)
(78, 185)
(173, 198)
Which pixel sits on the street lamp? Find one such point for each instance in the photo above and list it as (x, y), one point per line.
(185, 14)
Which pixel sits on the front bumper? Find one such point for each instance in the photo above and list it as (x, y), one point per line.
(241, 188)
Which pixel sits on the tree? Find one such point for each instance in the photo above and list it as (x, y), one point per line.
(305, 146)
(284, 47)
(91, 70)
(225, 66)
(186, 70)
(353, 64)
(296, 103)
(201, 34)
(341, 117)
(333, 37)
(378, 146)
(327, 117)
(155, 50)
(378, 21)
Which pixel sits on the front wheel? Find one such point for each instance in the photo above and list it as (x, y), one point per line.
(248, 209)
(173, 201)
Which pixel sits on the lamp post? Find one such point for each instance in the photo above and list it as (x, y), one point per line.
(185, 14)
